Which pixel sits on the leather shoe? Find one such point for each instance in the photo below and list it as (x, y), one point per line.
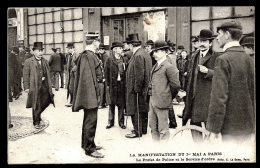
(131, 135)
(95, 154)
(68, 105)
(11, 125)
(37, 126)
(109, 126)
(172, 126)
(99, 147)
(123, 126)
(180, 116)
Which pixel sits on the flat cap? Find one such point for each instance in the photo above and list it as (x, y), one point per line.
(235, 24)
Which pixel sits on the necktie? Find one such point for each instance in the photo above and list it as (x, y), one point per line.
(202, 55)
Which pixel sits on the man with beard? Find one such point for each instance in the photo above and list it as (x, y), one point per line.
(86, 94)
(199, 83)
(37, 82)
(127, 52)
(137, 80)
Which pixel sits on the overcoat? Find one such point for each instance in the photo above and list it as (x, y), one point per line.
(55, 62)
(199, 87)
(67, 72)
(137, 80)
(30, 80)
(27, 55)
(111, 74)
(164, 83)
(12, 68)
(86, 89)
(63, 61)
(232, 104)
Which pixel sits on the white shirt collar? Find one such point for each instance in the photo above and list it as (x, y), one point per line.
(161, 60)
(135, 49)
(90, 48)
(204, 52)
(230, 44)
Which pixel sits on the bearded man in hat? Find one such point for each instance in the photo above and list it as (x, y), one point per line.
(232, 102)
(163, 87)
(71, 66)
(248, 43)
(137, 80)
(55, 66)
(37, 82)
(86, 94)
(199, 80)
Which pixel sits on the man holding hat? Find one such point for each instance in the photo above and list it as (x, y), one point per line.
(199, 80)
(55, 66)
(232, 103)
(115, 70)
(163, 87)
(248, 43)
(71, 67)
(137, 79)
(37, 82)
(86, 95)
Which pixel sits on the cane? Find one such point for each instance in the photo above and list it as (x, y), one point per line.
(138, 117)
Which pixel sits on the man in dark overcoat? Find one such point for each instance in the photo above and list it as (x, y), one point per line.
(127, 52)
(55, 66)
(62, 64)
(12, 73)
(37, 82)
(87, 95)
(232, 103)
(137, 80)
(199, 83)
(71, 67)
(27, 54)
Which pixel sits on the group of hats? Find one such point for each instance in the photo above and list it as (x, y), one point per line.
(132, 38)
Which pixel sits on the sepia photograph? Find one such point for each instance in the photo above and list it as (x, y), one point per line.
(131, 85)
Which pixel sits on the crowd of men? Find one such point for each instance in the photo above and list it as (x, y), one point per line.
(218, 89)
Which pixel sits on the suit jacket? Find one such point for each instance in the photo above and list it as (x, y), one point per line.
(63, 61)
(67, 67)
(199, 87)
(164, 83)
(137, 81)
(232, 103)
(55, 62)
(30, 80)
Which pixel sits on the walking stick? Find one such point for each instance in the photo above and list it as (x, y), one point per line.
(138, 117)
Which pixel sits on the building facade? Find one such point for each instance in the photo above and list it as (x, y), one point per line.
(56, 27)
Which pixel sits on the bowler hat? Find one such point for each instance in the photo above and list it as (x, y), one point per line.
(194, 38)
(102, 46)
(235, 24)
(71, 44)
(206, 34)
(160, 44)
(27, 49)
(247, 40)
(180, 47)
(149, 42)
(92, 36)
(54, 49)
(171, 45)
(133, 38)
(37, 45)
(116, 44)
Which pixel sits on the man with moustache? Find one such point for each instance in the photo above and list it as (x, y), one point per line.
(232, 102)
(37, 82)
(137, 81)
(126, 50)
(199, 82)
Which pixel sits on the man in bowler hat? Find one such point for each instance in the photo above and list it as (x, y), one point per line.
(62, 64)
(137, 79)
(248, 43)
(71, 67)
(163, 87)
(127, 52)
(199, 82)
(37, 82)
(55, 66)
(148, 46)
(232, 101)
(86, 94)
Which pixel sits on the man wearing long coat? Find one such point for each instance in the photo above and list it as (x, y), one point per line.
(55, 66)
(37, 81)
(199, 84)
(137, 80)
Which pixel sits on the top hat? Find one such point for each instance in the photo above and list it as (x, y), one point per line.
(133, 38)
(71, 44)
(92, 36)
(160, 44)
(194, 38)
(27, 49)
(116, 44)
(180, 47)
(206, 34)
(149, 42)
(102, 46)
(247, 40)
(37, 45)
(230, 24)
